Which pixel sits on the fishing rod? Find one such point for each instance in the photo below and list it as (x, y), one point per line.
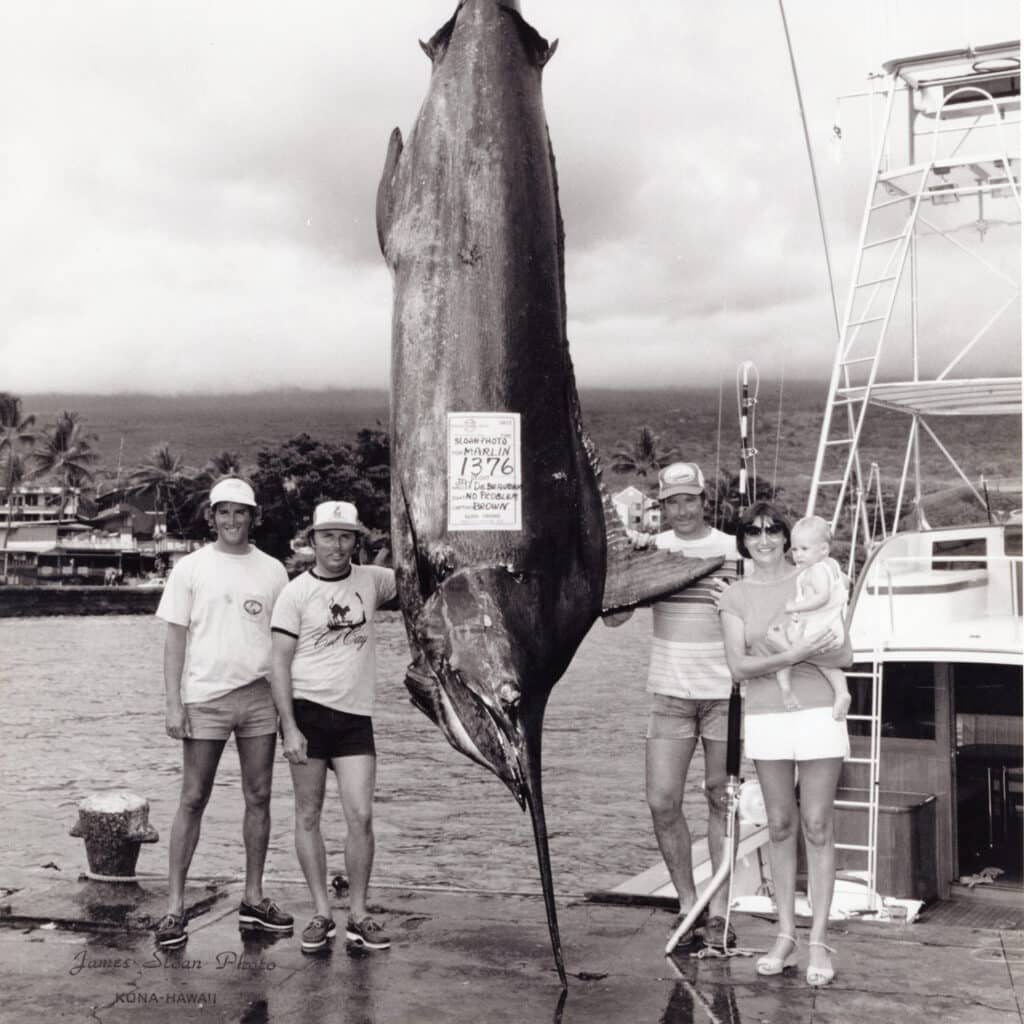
(733, 783)
(732, 799)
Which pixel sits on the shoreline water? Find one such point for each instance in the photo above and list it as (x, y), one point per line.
(85, 713)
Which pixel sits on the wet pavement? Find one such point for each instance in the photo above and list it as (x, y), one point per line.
(473, 957)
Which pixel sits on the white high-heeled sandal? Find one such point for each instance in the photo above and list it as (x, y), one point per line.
(819, 976)
(769, 965)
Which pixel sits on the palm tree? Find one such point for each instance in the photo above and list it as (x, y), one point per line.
(224, 464)
(16, 435)
(644, 456)
(217, 467)
(65, 451)
(164, 472)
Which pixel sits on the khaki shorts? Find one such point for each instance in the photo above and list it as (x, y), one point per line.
(246, 711)
(679, 718)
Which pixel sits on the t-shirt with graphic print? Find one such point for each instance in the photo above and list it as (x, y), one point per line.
(225, 601)
(332, 620)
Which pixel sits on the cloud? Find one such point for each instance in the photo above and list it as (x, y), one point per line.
(190, 191)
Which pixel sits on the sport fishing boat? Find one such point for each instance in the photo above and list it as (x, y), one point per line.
(931, 804)
(929, 809)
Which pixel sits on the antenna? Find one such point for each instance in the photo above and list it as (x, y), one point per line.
(120, 458)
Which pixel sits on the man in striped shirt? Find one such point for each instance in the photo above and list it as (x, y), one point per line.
(689, 682)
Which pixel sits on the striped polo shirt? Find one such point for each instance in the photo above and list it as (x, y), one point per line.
(687, 653)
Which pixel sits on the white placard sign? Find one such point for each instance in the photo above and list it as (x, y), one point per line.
(484, 471)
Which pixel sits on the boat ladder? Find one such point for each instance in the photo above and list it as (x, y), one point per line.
(867, 850)
(897, 213)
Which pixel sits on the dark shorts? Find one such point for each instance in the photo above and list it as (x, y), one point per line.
(331, 733)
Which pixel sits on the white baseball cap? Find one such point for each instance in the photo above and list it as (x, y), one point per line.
(680, 478)
(337, 515)
(232, 489)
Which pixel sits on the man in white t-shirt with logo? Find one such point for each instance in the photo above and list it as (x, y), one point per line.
(689, 683)
(324, 677)
(217, 604)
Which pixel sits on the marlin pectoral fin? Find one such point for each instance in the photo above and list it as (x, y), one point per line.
(385, 190)
(633, 576)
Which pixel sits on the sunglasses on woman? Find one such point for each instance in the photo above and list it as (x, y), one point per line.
(769, 529)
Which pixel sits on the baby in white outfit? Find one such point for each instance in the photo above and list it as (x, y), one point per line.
(820, 604)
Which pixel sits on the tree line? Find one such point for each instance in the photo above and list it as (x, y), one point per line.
(289, 478)
(647, 454)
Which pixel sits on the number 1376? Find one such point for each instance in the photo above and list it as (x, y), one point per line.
(486, 465)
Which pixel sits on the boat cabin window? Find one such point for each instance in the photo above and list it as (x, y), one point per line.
(986, 693)
(1001, 88)
(908, 700)
(961, 548)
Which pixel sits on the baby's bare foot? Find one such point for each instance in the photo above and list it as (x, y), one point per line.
(789, 701)
(841, 706)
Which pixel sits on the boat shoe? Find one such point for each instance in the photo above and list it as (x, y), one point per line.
(170, 930)
(367, 932)
(266, 914)
(317, 932)
(717, 935)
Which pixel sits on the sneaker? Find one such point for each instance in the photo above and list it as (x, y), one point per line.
(367, 933)
(170, 930)
(265, 914)
(317, 932)
(716, 935)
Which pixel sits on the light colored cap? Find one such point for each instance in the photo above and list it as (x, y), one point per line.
(337, 515)
(680, 478)
(234, 490)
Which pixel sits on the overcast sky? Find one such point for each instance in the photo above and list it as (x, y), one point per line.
(188, 187)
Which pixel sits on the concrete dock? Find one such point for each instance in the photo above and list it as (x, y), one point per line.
(70, 951)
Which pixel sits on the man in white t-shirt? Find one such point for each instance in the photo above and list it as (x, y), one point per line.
(217, 604)
(690, 684)
(324, 675)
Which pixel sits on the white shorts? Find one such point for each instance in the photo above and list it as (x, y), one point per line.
(795, 736)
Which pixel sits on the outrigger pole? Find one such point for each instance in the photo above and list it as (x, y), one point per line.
(746, 402)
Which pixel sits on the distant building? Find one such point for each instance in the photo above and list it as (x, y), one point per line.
(629, 503)
(636, 510)
(39, 504)
(120, 542)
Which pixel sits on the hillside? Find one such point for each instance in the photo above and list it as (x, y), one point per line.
(129, 425)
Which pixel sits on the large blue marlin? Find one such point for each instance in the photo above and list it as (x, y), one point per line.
(468, 221)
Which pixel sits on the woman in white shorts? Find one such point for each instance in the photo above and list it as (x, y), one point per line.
(777, 740)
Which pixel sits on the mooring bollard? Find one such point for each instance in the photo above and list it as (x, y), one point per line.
(113, 825)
